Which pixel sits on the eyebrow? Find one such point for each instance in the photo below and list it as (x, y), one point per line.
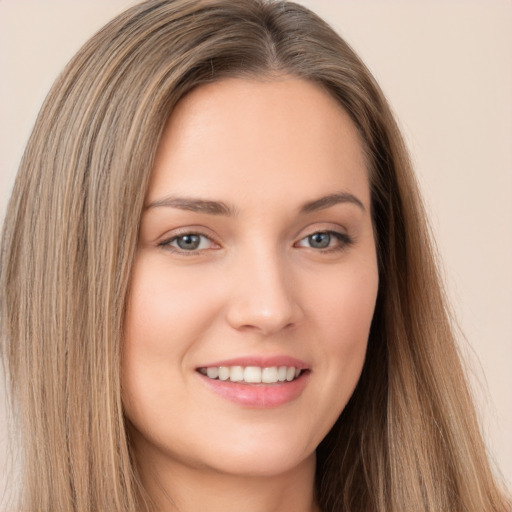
(331, 200)
(221, 208)
(194, 205)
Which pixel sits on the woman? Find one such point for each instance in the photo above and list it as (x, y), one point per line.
(213, 192)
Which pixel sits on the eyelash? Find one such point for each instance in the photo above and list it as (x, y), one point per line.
(166, 244)
(344, 241)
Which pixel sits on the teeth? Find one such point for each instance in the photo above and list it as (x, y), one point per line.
(269, 375)
(223, 373)
(212, 372)
(236, 374)
(252, 374)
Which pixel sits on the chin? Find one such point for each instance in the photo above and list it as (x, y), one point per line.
(261, 464)
(263, 454)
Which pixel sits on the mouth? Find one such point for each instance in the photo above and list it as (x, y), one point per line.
(252, 374)
(256, 382)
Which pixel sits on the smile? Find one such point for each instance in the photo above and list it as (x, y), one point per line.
(252, 374)
(255, 381)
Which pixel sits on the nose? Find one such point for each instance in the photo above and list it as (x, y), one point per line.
(263, 298)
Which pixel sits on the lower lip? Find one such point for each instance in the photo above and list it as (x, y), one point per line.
(259, 396)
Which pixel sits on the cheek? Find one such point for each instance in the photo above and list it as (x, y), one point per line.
(167, 311)
(344, 305)
(165, 316)
(343, 313)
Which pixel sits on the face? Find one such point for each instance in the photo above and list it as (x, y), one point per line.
(254, 283)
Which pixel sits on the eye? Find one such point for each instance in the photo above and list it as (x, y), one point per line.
(326, 241)
(188, 243)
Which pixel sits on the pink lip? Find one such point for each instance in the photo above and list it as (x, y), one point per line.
(259, 396)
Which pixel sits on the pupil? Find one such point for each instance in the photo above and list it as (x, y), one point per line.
(188, 242)
(320, 240)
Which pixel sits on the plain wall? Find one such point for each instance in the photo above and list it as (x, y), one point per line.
(445, 66)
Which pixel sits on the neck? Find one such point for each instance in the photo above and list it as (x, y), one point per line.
(175, 487)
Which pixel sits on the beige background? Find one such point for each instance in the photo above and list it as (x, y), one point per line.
(446, 67)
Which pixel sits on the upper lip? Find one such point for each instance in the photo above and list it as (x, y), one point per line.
(261, 361)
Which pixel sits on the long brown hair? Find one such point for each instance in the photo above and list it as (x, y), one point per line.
(407, 440)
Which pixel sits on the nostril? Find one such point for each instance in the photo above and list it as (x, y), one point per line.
(245, 317)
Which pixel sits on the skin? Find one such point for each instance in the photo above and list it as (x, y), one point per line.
(257, 285)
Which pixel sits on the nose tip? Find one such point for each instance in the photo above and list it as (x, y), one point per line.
(263, 317)
(264, 302)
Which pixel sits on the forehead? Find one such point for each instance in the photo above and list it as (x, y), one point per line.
(258, 138)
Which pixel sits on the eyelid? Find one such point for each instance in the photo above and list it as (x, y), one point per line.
(344, 240)
(165, 243)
